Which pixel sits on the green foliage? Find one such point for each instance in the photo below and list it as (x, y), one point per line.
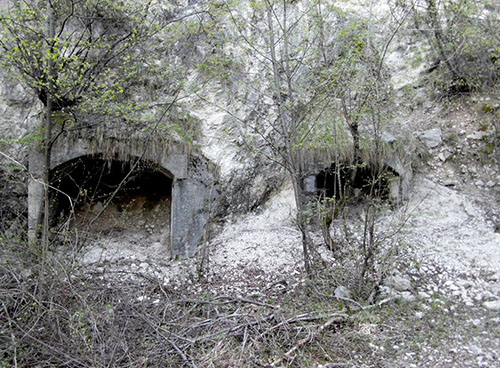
(217, 66)
(109, 58)
(95, 51)
(489, 113)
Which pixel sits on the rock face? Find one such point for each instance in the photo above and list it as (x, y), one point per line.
(247, 189)
(18, 118)
(19, 112)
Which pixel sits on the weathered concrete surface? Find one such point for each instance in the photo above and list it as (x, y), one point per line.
(189, 216)
(193, 202)
(172, 158)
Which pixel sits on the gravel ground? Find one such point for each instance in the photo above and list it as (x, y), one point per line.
(446, 290)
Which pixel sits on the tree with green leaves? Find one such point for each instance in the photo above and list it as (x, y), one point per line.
(279, 37)
(317, 77)
(76, 56)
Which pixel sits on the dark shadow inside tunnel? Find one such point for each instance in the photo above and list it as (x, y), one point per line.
(112, 196)
(345, 181)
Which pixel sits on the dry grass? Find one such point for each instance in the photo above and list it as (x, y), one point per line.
(87, 319)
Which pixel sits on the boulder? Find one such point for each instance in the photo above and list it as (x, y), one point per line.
(398, 282)
(492, 305)
(342, 292)
(432, 138)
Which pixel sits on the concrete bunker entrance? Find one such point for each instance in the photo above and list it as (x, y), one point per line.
(113, 198)
(351, 181)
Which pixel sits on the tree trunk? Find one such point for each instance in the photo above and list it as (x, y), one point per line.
(326, 221)
(48, 130)
(48, 151)
(302, 220)
(432, 12)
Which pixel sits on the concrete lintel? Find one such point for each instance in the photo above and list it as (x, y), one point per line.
(177, 164)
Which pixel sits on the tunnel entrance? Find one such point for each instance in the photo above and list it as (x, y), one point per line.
(354, 182)
(141, 205)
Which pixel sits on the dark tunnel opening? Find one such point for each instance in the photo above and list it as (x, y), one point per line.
(142, 203)
(346, 181)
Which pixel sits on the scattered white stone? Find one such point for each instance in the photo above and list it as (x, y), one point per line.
(342, 292)
(477, 135)
(450, 183)
(476, 322)
(494, 277)
(475, 350)
(456, 293)
(419, 315)
(444, 156)
(492, 305)
(398, 282)
(488, 295)
(465, 283)
(431, 138)
(423, 295)
(407, 297)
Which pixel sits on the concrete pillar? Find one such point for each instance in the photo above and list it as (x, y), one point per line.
(189, 216)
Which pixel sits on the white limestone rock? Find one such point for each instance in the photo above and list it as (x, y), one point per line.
(398, 283)
(492, 305)
(342, 292)
(432, 138)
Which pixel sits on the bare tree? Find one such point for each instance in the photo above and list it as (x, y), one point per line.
(463, 36)
(317, 72)
(287, 73)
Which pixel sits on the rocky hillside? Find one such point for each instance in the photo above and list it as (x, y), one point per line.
(411, 280)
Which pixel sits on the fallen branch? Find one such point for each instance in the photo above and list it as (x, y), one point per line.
(306, 317)
(229, 300)
(310, 337)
